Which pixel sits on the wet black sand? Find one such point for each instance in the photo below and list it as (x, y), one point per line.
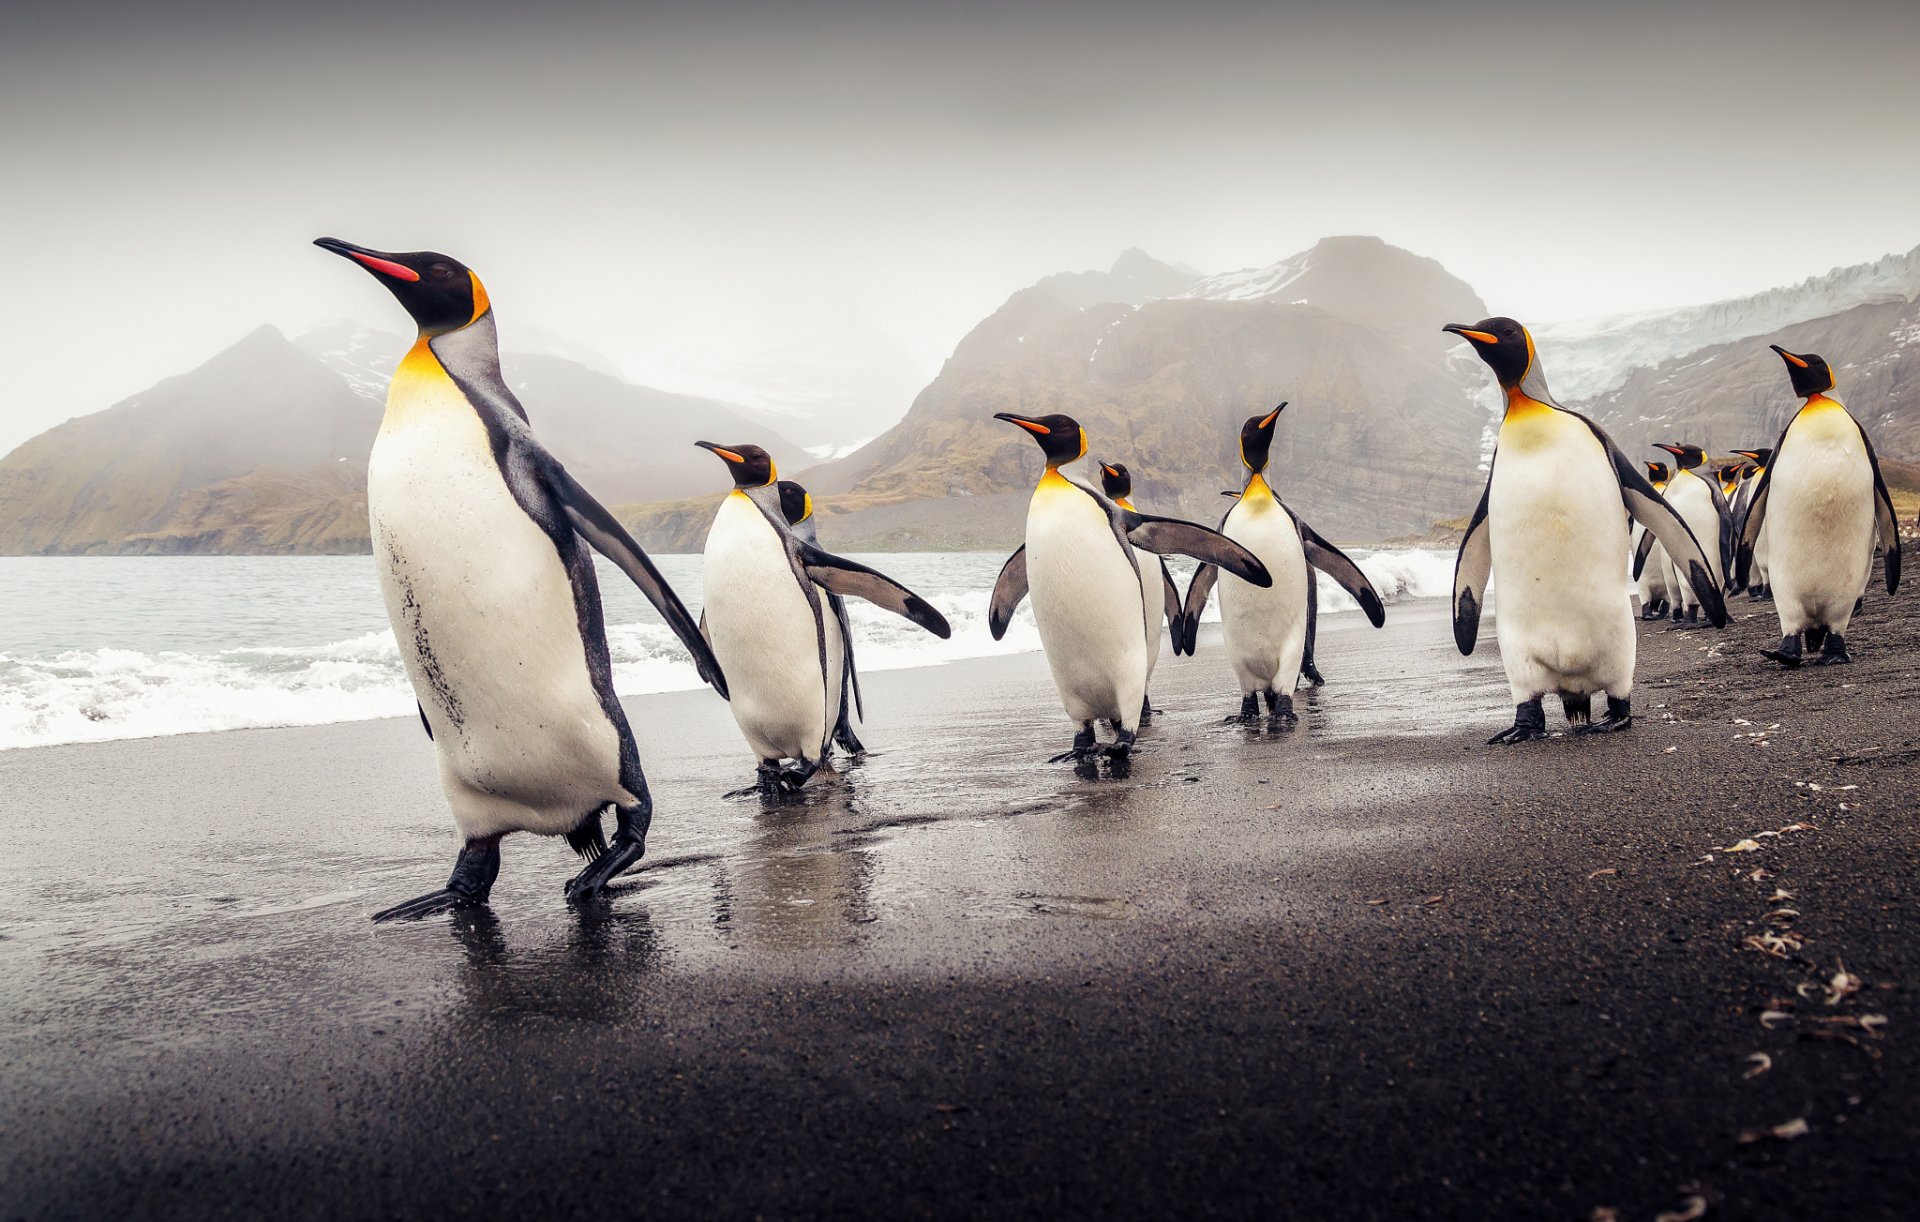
(1369, 968)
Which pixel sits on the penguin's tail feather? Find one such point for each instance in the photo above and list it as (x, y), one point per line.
(589, 839)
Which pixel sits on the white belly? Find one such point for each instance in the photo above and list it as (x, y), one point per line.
(765, 638)
(1653, 575)
(485, 619)
(1265, 630)
(1693, 501)
(1086, 604)
(1556, 522)
(1820, 521)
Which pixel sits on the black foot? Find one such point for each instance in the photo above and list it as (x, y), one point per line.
(1657, 609)
(1529, 723)
(1280, 708)
(471, 883)
(1579, 709)
(1833, 651)
(1686, 624)
(1249, 710)
(1146, 709)
(1787, 653)
(1312, 673)
(848, 740)
(629, 845)
(1121, 747)
(1083, 746)
(1619, 717)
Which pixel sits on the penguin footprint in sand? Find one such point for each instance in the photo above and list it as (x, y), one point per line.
(1080, 567)
(783, 645)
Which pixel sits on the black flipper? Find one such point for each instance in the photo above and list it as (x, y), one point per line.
(1335, 563)
(1641, 553)
(1008, 592)
(1198, 590)
(1725, 540)
(1470, 570)
(851, 579)
(424, 723)
(1884, 517)
(852, 682)
(1172, 536)
(610, 539)
(1651, 510)
(1750, 530)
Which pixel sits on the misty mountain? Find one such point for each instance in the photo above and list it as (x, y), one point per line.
(1383, 435)
(264, 448)
(1593, 357)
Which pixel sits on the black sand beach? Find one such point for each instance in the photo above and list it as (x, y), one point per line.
(1367, 968)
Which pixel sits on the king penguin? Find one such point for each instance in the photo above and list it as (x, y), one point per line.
(1651, 585)
(784, 651)
(1549, 532)
(1695, 496)
(1822, 502)
(1079, 564)
(797, 504)
(1757, 587)
(1159, 597)
(1185, 639)
(1265, 628)
(481, 541)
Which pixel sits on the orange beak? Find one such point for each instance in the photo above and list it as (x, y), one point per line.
(1788, 356)
(1478, 337)
(732, 456)
(1032, 426)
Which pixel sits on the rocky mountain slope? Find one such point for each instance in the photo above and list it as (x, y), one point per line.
(1383, 434)
(264, 449)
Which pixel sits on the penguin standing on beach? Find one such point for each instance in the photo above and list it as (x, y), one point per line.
(1265, 629)
(481, 540)
(1652, 584)
(784, 651)
(1079, 564)
(1743, 504)
(1825, 505)
(1159, 597)
(797, 504)
(1183, 641)
(1549, 533)
(1696, 497)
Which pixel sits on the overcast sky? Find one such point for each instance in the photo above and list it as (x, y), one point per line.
(711, 191)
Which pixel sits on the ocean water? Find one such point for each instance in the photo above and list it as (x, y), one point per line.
(96, 648)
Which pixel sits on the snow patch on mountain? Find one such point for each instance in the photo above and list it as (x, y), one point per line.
(1589, 357)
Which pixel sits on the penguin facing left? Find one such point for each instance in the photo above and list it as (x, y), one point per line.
(783, 652)
(481, 539)
(1265, 630)
(1825, 506)
(1549, 533)
(1159, 597)
(1078, 564)
(1696, 497)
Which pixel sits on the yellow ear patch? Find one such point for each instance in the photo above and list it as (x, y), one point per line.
(480, 303)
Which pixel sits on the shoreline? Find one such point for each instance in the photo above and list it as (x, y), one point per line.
(1367, 968)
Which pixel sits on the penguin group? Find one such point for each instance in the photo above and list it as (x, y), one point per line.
(483, 544)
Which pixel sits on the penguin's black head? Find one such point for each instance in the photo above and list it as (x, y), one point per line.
(1731, 472)
(1061, 438)
(440, 292)
(1116, 481)
(1809, 372)
(1657, 472)
(1759, 457)
(1686, 456)
(752, 466)
(795, 502)
(1502, 343)
(1256, 438)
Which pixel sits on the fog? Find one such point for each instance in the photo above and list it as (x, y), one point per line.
(803, 204)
